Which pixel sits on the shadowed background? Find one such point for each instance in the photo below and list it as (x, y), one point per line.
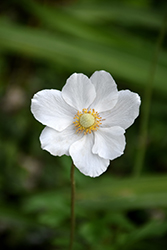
(41, 44)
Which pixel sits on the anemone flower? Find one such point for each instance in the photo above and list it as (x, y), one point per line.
(86, 120)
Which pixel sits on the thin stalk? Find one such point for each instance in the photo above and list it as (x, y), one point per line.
(72, 232)
(146, 104)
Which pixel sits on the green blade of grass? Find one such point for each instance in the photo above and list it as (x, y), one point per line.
(146, 192)
(108, 193)
(78, 54)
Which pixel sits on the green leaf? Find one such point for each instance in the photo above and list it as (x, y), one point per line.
(146, 192)
(84, 55)
(152, 229)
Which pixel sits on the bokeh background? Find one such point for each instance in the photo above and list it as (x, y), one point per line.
(41, 44)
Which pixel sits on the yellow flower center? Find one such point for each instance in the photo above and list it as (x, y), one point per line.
(87, 121)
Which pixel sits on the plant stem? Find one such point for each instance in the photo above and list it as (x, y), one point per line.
(147, 103)
(72, 207)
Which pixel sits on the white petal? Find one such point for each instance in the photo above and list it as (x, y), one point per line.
(88, 163)
(109, 142)
(124, 112)
(78, 91)
(50, 109)
(106, 91)
(58, 143)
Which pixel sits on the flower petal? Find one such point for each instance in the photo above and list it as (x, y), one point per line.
(49, 108)
(78, 91)
(106, 91)
(58, 143)
(109, 142)
(124, 112)
(88, 163)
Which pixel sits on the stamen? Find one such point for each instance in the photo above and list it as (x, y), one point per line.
(87, 121)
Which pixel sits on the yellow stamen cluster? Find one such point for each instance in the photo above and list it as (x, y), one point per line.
(87, 121)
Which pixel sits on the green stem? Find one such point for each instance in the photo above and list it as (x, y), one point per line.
(72, 207)
(146, 103)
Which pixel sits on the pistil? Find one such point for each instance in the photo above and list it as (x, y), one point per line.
(87, 121)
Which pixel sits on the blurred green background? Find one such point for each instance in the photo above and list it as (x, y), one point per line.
(41, 44)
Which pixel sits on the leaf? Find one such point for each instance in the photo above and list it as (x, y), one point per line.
(146, 192)
(151, 229)
(54, 48)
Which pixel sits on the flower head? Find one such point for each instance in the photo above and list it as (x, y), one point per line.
(86, 120)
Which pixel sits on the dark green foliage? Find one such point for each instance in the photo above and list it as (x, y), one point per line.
(41, 44)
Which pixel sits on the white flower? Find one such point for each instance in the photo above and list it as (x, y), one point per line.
(86, 120)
